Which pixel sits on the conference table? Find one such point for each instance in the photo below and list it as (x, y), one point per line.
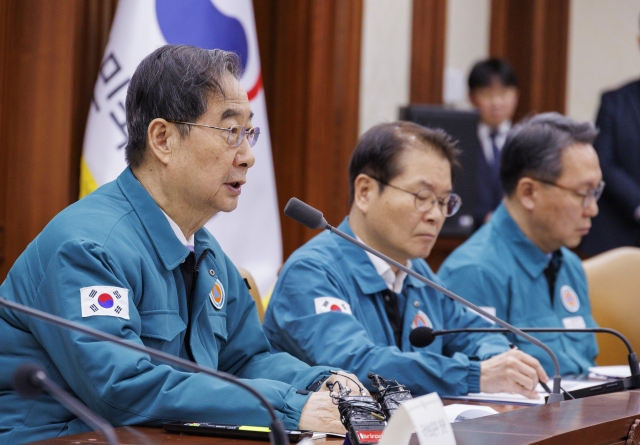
(607, 419)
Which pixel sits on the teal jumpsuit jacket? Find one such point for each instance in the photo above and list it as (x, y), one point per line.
(117, 241)
(501, 269)
(328, 309)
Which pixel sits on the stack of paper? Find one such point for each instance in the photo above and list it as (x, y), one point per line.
(613, 372)
(517, 399)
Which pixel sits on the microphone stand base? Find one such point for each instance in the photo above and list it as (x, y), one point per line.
(605, 388)
(555, 398)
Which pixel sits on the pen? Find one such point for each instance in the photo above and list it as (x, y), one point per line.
(544, 385)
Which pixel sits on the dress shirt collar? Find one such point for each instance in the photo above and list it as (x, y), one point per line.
(484, 135)
(361, 268)
(394, 281)
(188, 243)
(169, 248)
(531, 258)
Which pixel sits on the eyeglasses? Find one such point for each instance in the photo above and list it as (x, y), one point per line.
(236, 133)
(425, 199)
(587, 198)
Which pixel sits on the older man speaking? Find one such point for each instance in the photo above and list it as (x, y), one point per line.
(133, 260)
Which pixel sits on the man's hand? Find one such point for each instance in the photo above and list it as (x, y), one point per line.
(512, 371)
(320, 414)
(340, 377)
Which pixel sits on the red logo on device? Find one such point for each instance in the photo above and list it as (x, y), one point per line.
(369, 436)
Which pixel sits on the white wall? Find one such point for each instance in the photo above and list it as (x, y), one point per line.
(467, 41)
(385, 60)
(386, 54)
(603, 52)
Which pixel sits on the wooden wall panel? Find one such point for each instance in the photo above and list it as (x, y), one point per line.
(44, 97)
(5, 30)
(36, 118)
(427, 51)
(92, 36)
(533, 36)
(310, 53)
(428, 42)
(311, 59)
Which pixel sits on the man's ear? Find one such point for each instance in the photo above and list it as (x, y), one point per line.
(527, 192)
(472, 99)
(365, 188)
(160, 140)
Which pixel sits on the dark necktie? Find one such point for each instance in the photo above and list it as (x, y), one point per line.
(393, 314)
(551, 272)
(496, 152)
(189, 276)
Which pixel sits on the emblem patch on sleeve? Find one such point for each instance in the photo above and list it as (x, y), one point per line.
(569, 299)
(216, 295)
(421, 321)
(331, 304)
(104, 300)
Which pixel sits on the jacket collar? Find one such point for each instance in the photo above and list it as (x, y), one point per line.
(168, 247)
(532, 260)
(635, 102)
(362, 269)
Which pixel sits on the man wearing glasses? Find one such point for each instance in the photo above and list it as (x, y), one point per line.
(337, 305)
(133, 259)
(519, 266)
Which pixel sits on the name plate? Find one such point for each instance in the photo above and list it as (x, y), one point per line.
(426, 416)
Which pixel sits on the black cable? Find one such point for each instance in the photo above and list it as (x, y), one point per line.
(277, 435)
(567, 393)
(348, 407)
(362, 390)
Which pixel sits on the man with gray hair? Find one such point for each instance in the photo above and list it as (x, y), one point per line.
(133, 259)
(518, 266)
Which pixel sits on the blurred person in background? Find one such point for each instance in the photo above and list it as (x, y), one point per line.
(618, 146)
(493, 90)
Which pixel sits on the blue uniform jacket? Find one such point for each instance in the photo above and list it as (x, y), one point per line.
(500, 267)
(363, 342)
(118, 236)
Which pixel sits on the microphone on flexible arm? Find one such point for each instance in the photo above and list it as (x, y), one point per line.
(30, 380)
(312, 218)
(423, 336)
(277, 435)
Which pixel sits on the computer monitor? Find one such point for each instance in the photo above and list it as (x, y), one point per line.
(463, 126)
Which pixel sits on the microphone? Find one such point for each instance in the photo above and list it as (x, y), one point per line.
(277, 434)
(423, 336)
(313, 218)
(30, 380)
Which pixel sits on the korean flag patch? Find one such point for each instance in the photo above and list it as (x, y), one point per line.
(104, 300)
(331, 304)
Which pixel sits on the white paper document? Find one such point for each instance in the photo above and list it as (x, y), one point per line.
(618, 371)
(517, 399)
(455, 410)
(424, 415)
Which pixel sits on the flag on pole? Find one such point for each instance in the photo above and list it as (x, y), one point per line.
(250, 235)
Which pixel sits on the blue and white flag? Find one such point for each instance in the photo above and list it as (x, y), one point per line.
(250, 235)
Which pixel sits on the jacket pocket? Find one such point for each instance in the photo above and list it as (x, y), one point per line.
(161, 325)
(219, 326)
